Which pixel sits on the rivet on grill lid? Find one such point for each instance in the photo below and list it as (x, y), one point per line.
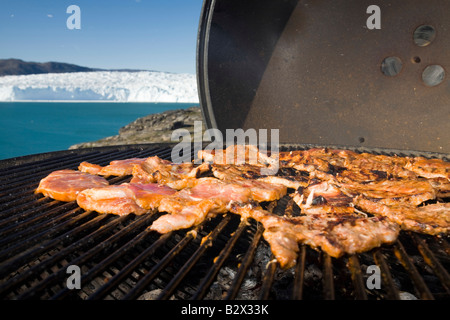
(391, 66)
(424, 35)
(433, 75)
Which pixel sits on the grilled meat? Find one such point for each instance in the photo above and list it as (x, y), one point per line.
(334, 234)
(289, 182)
(248, 176)
(125, 198)
(149, 195)
(391, 166)
(330, 193)
(330, 187)
(190, 207)
(441, 186)
(347, 165)
(115, 168)
(394, 191)
(237, 155)
(64, 185)
(176, 176)
(429, 168)
(324, 197)
(115, 199)
(430, 219)
(90, 168)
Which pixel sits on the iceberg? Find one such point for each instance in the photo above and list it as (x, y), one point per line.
(116, 86)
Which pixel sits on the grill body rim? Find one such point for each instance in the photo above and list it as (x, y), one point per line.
(35, 167)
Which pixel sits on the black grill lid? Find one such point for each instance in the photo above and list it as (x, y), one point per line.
(314, 70)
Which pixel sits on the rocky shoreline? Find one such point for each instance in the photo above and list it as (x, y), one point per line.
(154, 128)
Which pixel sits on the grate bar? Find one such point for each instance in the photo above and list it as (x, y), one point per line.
(357, 278)
(38, 171)
(433, 262)
(386, 277)
(446, 246)
(38, 221)
(108, 243)
(71, 160)
(115, 280)
(267, 280)
(245, 264)
(405, 260)
(206, 243)
(209, 278)
(33, 253)
(328, 282)
(12, 216)
(40, 165)
(140, 286)
(19, 244)
(91, 237)
(297, 291)
(26, 194)
(47, 217)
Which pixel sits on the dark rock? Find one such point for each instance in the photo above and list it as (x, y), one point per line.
(154, 128)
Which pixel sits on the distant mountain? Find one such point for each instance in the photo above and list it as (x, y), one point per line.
(20, 67)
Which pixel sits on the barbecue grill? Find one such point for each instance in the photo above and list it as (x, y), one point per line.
(225, 258)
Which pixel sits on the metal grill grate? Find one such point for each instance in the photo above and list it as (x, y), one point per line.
(223, 258)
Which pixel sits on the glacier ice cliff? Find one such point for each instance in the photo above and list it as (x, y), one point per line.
(118, 86)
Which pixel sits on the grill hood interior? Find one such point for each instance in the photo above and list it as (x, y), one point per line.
(316, 72)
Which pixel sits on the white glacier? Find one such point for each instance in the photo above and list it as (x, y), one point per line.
(118, 86)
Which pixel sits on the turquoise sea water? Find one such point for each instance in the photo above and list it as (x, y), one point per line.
(36, 127)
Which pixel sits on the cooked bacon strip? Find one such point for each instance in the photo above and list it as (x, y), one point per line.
(115, 168)
(335, 234)
(189, 207)
(64, 185)
(429, 168)
(431, 219)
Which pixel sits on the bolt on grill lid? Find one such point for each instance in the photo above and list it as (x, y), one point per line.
(318, 72)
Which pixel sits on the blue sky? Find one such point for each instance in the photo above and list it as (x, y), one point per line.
(138, 34)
